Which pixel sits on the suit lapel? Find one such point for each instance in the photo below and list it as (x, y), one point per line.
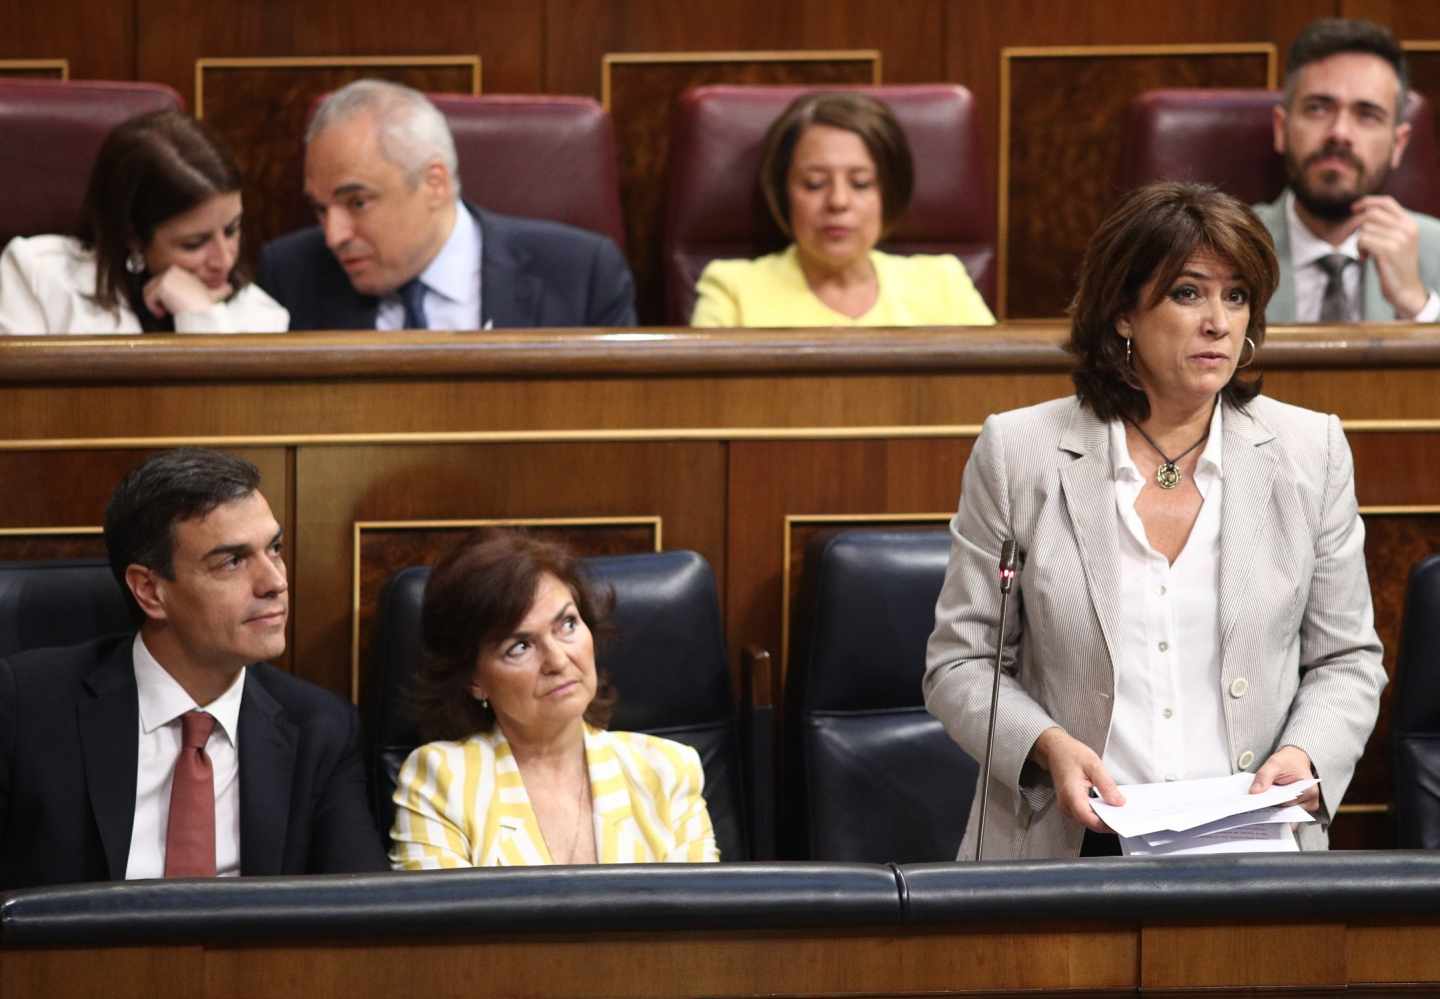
(268, 743)
(1249, 470)
(609, 799)
(109, 723)
(509, 293)
(1373, 307)
(1282, 303)
(1090, 502)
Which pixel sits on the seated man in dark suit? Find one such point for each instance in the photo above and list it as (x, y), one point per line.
(174, 751)
(396, 248)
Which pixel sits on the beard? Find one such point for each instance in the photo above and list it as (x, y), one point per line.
(1332, 206)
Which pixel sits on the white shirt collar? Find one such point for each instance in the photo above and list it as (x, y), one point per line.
(1210, 458)
(452, 273)
(162, 699)
(1306, 247)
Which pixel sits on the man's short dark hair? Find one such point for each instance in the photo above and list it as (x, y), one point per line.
(166, 489)
(1333, 35)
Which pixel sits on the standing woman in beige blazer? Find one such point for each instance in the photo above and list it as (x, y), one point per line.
(1193, 600)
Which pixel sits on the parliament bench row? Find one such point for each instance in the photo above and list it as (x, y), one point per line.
(857, 739)
(554, 157)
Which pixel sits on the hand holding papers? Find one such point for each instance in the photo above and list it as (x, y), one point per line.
(1213, 815)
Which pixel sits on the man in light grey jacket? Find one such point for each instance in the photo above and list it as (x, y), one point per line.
(1346, 251)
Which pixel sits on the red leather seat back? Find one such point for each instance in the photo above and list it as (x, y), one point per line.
(540, 157)
(51, 132)
(715, 209)
(1225, 138)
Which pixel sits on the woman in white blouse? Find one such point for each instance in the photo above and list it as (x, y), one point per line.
(157, 250)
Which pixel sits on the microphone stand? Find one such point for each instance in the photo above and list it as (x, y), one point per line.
(1009, 557)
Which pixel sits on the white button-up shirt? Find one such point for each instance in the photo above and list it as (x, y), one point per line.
(1168, 723)
(162, 702)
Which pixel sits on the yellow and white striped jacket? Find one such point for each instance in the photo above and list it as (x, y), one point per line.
(463, 804)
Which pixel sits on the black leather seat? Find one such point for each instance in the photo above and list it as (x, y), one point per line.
(870, 776)
(667, 660)
(60, 602)
(1415, 724)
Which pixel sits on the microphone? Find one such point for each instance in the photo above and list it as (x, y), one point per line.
(1009, 561)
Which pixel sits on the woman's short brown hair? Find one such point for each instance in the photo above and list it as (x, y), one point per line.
(868, 118)
(149, 169)
(476, 597)
(1149, 237)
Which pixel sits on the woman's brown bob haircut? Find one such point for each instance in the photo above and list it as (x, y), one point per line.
(1147, 240)
(476, 597)
(865, 116)
(149, 170)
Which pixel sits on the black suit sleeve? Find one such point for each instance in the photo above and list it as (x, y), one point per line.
(611, 296)
(346, 839)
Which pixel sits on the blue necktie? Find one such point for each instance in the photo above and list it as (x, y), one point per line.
(412, 296)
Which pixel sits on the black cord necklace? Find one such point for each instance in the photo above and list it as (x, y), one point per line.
(1168, 476)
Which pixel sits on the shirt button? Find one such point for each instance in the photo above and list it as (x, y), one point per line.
(1166, 713)
(1163, 591)
(1239, 687)
(1246, 758)
(1164, 646)
(1170, 777)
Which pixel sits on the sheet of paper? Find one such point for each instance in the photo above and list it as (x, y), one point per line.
(1261, 816)
(1184, 804)
(1267, 837)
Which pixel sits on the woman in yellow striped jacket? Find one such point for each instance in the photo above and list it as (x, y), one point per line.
(523, 771)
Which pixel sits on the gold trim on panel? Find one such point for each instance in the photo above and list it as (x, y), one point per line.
(859, 520)
(329, 62)
(1420, 46)
(1394, 511)
(873, 56)
(1002, 216)
(63, 65)
(6, 532)
(1362, 808)
(427, 525)
(903, 432)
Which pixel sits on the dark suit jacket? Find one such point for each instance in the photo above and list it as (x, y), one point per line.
(68, 722)
(532, 273)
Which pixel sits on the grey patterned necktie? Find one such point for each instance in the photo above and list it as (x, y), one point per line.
(1333, 307)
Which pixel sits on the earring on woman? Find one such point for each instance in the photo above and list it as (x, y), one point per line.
(1247, 364)
(1129, 362)
(135, 262)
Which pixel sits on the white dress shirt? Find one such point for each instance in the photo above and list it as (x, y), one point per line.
(452, 282)
(162, 702)
(1306, 249)
(1168, 722)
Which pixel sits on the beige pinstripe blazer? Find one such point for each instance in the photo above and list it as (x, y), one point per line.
(1295, 613)
(464, 804)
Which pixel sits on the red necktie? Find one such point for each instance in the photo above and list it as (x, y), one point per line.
(190, 833)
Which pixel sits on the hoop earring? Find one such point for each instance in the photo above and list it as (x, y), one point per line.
(135, 262)
(1253, 350)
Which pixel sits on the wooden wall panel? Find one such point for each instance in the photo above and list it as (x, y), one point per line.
(98, 39)
(1058, 176)
(506, 35)
(34, 69)
(260, 108)
(682, 484)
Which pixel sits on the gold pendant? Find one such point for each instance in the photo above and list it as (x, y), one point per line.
(1167, 476)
